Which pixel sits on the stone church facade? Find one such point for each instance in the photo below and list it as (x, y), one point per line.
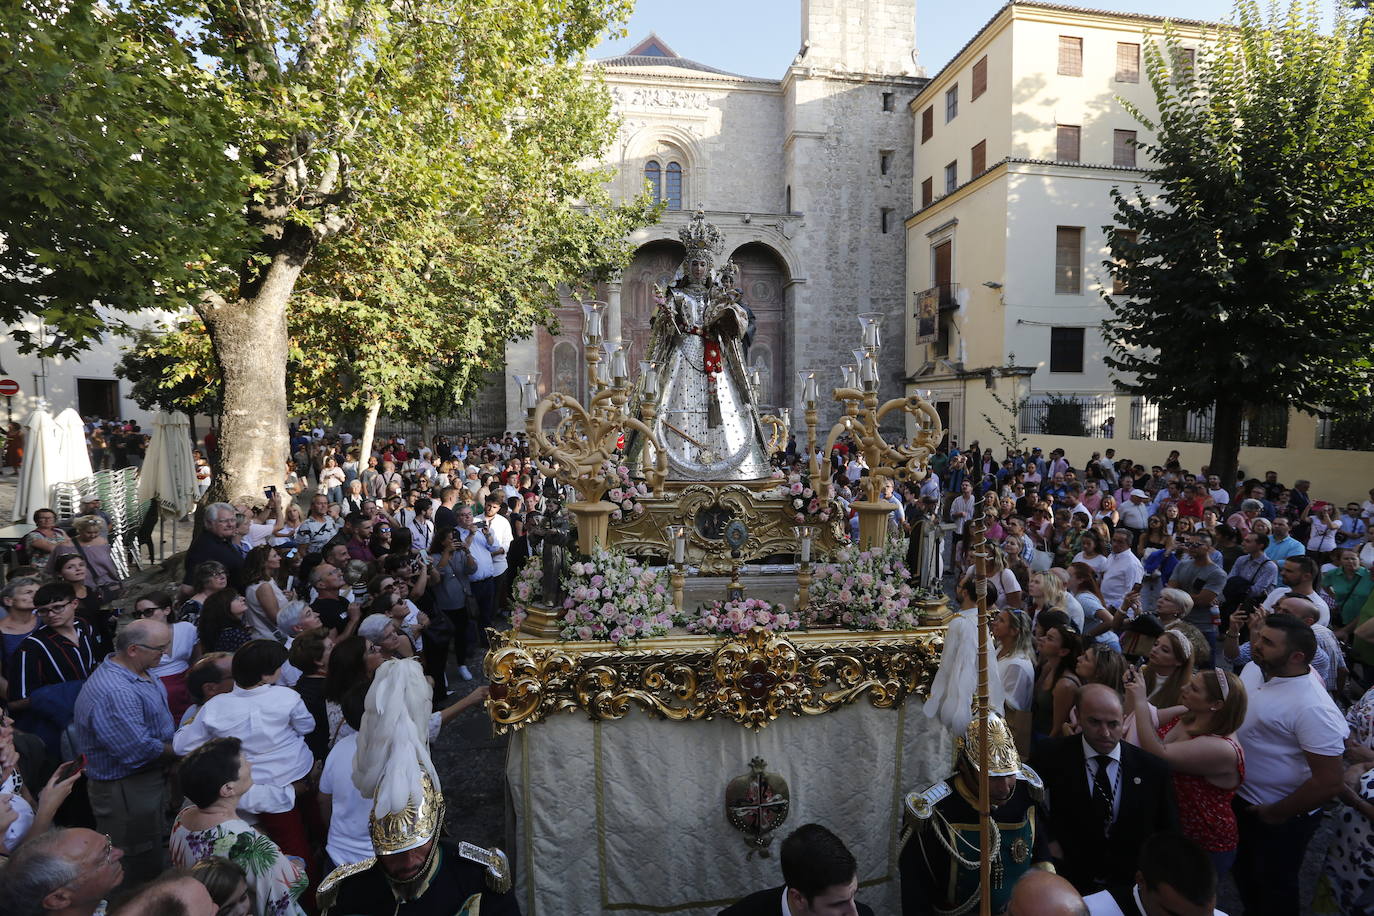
(808, 177)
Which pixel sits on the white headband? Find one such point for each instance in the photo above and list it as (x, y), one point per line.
(1222, 685)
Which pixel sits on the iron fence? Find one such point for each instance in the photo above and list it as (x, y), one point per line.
(1355, 434)
(1085, 415)
(1265, 427)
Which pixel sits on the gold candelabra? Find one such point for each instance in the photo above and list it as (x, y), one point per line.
(863, 416)
(576, 450)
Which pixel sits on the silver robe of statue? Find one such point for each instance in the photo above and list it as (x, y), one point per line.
(706, 415)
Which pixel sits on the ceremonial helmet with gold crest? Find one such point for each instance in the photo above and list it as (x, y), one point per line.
(392, 764)
(1003, 760)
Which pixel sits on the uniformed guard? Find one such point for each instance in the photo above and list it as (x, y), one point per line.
(413, 872)
(940, 858)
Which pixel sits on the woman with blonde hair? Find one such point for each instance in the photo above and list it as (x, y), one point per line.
(1168, 669)
(1045, 592)
(1196, 738)
(1016, 659)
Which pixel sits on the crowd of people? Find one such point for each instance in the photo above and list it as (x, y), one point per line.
(1166, 645)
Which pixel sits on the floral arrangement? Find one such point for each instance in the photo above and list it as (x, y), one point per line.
(802, 500)
(624, 493)
(865, 590)
(527, 588)
(732, 617)
(614, 597)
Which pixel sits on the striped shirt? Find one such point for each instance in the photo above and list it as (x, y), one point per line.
(122, 722)
(47, 657)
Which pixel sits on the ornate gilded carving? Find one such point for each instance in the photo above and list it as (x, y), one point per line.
(750, 679)
(706, 509)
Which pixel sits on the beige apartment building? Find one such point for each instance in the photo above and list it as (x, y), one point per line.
(1018, 143)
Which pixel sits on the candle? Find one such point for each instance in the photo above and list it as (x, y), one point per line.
(648, 370)
(679, 535)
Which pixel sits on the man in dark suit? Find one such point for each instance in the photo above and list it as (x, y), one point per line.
(1103, 797)
(822, 879)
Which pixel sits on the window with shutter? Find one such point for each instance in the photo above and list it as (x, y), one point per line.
(980, 77)
(1125, 235)
(1070, 55)
(1066, 349)
(1123, 148)
(1127, 62)
(978, 159)
(1067, 142)
(1068, 260)
(927, 192)
(927, 124)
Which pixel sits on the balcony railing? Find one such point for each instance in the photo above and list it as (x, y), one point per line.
(1086, 415)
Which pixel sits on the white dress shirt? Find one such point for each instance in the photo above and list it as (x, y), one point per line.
(272, 723)
(501, 533)
(1113, 774)
(480, 548)
(1124, 570)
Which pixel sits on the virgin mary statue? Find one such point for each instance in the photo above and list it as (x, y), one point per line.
(706, 415)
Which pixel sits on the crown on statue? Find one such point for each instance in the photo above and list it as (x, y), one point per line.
(700, 236)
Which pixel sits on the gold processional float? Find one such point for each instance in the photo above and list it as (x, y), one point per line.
(646, 532)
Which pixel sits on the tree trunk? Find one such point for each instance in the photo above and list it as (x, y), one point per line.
(374, 407)
(1226, 420)
(249, 338)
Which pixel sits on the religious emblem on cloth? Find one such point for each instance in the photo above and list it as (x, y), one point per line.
(756, 805)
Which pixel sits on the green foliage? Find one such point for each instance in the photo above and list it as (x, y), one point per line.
(1252, 280)
(406, 182)
(114, 184)
(172, 369)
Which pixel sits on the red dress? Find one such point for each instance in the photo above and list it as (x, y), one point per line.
(1204, 810)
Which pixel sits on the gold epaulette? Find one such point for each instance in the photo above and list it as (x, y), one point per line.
(497, 865)
(329, 887)
(921, 805)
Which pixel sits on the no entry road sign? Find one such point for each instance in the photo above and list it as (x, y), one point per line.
(8, 387)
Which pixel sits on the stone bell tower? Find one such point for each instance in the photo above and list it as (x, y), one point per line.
(860, 36)
(847, 162)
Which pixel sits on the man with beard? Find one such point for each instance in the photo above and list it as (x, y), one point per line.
(1293, 737)
(940, 857)
(413, 872)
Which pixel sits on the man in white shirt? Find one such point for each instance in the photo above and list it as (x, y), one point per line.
(1135, 512)
(1124, 571)
(1293, 737)
(1073, 499)
(1299, 575)
(481, 543)
(1220, 498)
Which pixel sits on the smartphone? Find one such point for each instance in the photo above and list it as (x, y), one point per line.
(71, 767)
(269, 492)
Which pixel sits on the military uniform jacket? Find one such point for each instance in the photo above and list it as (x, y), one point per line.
(934, 881)
(457, 887)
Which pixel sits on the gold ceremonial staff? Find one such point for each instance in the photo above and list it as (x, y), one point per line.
(981, 553)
